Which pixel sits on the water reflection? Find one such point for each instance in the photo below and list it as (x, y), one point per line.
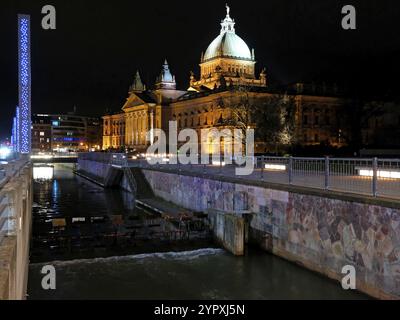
(74, 218)
(43, 172)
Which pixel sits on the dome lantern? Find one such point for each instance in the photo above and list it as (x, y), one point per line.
(228, 43)
(228, 24)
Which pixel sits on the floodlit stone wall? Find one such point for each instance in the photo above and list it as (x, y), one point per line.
(321, 233)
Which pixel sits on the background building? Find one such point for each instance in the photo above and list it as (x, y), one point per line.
(65, 133)
(227, 74)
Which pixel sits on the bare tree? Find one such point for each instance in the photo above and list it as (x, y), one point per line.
(271, 115)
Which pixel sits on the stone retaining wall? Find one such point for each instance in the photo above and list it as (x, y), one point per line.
(322, 234)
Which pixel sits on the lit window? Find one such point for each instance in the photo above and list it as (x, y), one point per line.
(42, 134)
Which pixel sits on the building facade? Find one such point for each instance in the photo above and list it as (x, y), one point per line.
(226, 66)
(65, 133)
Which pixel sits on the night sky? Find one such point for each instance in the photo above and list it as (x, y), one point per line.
(90, 60)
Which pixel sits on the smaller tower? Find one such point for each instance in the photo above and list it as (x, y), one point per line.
(166, 80)
(137, 85)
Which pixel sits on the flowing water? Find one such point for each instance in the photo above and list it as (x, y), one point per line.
(146, 268)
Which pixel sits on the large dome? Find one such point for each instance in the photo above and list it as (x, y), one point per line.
(228, 44)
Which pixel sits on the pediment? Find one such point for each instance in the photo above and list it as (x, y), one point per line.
(133, 101)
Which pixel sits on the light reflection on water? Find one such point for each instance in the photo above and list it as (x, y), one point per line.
(199, 274)
(43, 172)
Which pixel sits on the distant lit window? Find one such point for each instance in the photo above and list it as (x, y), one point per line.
(56, 123)
(42, 134)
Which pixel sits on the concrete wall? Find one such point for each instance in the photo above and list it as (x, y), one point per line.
(98, 169)
(16, 209)
(229, 230)
(322, 233)
(103, 174)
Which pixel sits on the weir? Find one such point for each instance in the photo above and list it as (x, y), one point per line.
(320, 230)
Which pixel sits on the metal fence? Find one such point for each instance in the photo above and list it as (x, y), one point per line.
(372, 177)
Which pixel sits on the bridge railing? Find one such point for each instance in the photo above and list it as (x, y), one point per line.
(371, 177)
(7, 172)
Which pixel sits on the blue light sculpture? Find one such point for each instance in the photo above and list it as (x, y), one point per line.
(24, 82)
(14, 134)
(18, 130)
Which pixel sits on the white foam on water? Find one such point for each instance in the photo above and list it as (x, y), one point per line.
(184, 255)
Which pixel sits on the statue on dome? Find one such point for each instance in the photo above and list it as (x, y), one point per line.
(228, 10)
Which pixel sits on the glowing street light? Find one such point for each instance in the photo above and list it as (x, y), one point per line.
(5, 152)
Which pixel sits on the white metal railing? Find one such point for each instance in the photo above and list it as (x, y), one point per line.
(369, 176)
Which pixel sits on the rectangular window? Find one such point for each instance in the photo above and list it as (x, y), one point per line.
(42, 134)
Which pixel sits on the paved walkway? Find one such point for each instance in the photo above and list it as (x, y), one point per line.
(386, 188)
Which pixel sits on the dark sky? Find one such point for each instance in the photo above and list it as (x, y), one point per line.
(90, 59)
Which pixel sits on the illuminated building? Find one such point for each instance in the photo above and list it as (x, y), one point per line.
(65, 133)
(227, 64)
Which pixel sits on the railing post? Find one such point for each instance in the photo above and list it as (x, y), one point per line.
(375, 177)
(327, 173)
(290, 170)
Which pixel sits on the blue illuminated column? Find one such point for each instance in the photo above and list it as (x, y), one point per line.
(14, 135)
(24, 82)
(17, 130)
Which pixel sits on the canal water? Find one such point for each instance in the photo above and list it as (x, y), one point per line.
(67, 208)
